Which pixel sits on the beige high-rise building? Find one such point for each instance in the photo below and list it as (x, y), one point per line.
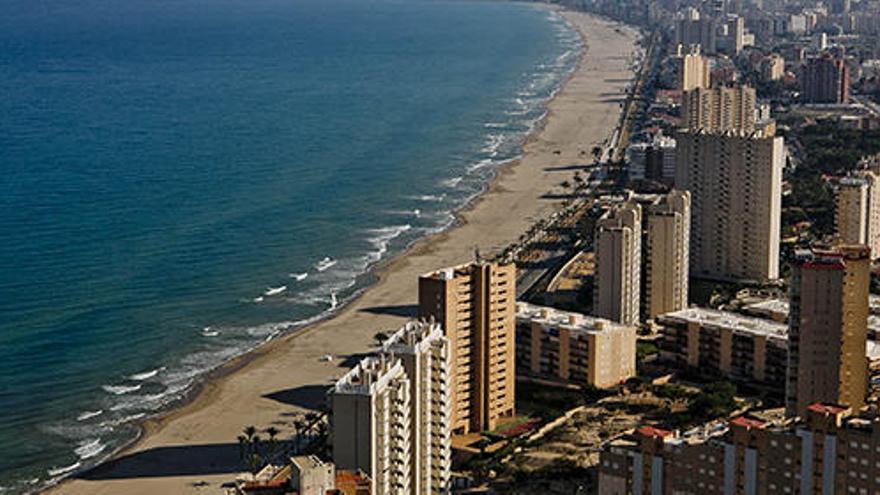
(666, 252)
(828, 326)
(476, 306)
(573, 348)
(392, 414)
(857, 212)
(692, 68)
(735, 181)
(719, 109)
(371, 427)
(617, 277)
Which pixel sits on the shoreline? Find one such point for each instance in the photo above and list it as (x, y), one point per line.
(242, 380)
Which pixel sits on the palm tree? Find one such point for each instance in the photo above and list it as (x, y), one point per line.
(273, 444)
(299, 425)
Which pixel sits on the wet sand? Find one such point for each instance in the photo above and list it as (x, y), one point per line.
(194, 449)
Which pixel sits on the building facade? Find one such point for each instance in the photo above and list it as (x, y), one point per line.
(829, 452)
(573, 348)
(825, 79)
(371, 424)
(857, 210)
(692, 68)
(392, 414)
(476, 306)
(617, 277)
(719, 109)
(735, 181)
(828, 325)
(666, 254)
(738, 347)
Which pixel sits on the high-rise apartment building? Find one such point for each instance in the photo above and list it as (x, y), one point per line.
(731, 36)
(391, 414)
(825, 79)
(693, 29)
(735, 181)
(573, 348)
(829, 451)
(618, 246)
(476, 306)
(426, 356)
(371, 424)
(857, 210)
(692, 68)
(666, 253)
(828, 325)
(719, 109)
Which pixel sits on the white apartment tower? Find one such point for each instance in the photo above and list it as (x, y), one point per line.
(371, 428)
(735, 181)
(392, 414)
(667, 248)
(618, 245)
(857, 212)
(426, 357)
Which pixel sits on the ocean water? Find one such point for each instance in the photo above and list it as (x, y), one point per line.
(183, 180)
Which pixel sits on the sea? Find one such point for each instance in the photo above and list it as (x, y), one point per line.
(183, 180)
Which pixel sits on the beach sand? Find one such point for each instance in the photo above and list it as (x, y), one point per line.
(194, 449)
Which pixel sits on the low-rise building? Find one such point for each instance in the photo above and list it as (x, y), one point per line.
(573, 348)
(828, 451)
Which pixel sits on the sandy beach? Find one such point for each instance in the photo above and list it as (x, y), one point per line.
(194, 449)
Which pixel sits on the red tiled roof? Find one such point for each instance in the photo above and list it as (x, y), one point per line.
(748, 422)
(650, 431)
(823, 408)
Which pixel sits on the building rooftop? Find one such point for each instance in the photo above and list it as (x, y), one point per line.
(653, 432)
(371, 374)
(748, 422)
(824, 408)
(575, 321)
(734, 321)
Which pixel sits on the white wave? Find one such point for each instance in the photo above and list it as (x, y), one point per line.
(453, 182)
(120, 389)
(381, 239)
(496, 125)
(493, 144)
(210, 333)
(89, 414)
(333, 302)
(258, 299)
(429, 197)
(487, 162)
(325, 264)
(299, 277)
(89, 448)
(139, 377)
(274, 291)
(64, 470)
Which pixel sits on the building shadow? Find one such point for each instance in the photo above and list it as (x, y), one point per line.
(307, 396)
(405, 310)
(183, 460)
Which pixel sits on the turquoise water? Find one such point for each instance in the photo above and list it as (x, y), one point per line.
(184, 179)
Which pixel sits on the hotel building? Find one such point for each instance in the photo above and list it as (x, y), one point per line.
(857, 210)
(476, 306)
(617, 278)
(830, 451)
(828, 325)
(392, 414)
(719, 109)
(735, 181)
(573, 348)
